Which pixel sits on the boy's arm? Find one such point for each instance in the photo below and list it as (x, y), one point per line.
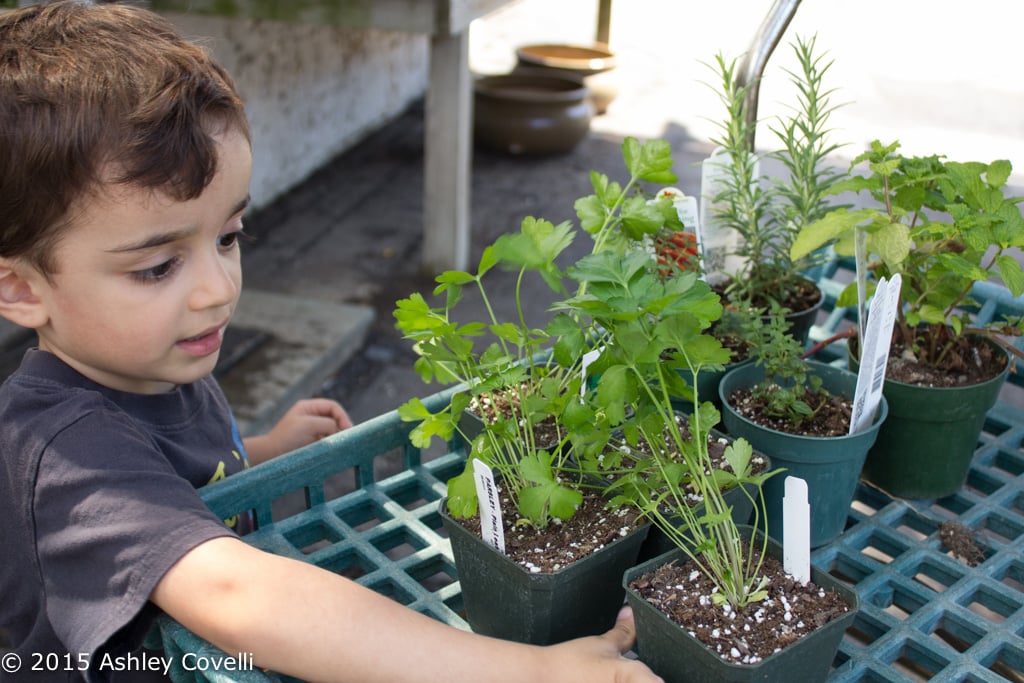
(304, 621)
(307, 421)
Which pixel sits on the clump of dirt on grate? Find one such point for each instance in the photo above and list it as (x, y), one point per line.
(960, 541)
(748, 635)
(562, 542)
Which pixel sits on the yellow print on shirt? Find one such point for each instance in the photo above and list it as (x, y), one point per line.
(221, 473)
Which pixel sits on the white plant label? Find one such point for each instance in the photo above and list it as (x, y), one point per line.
(874, 357)
(588, 358)
(719, 243)
(796, 530)
(491, 529)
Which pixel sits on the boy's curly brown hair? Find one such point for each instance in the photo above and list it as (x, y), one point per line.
(94, 95)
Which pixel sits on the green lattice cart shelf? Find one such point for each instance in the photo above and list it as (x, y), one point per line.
(364, 504)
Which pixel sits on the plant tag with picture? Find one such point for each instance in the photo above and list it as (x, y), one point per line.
(796, 530)
(686, 208)
(682, 248)
(874, 355)
(491, 528)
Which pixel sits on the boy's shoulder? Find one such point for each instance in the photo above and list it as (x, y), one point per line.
(44, 389)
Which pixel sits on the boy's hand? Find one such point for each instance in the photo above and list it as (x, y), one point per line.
(589, 658)
(307, 421)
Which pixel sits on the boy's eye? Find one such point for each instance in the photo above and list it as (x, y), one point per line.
(230, 239)
(157, 273)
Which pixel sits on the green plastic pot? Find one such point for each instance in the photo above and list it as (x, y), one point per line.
(672, 653)
(924, 450)
(830, 466)
(504, 600)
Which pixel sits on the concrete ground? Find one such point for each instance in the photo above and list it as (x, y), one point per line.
(941, 81)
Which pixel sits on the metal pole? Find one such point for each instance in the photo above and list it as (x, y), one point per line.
(752, 67)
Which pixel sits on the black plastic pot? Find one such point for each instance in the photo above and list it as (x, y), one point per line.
(504, 600)
(672, 653)
(742, 504)
(800, 323)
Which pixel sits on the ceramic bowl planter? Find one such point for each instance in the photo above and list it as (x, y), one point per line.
(924, 449)
(830, 466)
(678, 657)
(503, 599)
(593, 63)
(531, 112)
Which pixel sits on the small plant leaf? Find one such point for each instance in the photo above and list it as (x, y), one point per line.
(892, 244)
(738, 454)
(833, 225)
(1011, 274)
(462, 499)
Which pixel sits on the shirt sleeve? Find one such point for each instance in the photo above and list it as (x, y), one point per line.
(111, 517)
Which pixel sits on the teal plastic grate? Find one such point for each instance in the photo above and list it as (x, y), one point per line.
(364, 504)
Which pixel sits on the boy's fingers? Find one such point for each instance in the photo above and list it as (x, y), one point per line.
(327, 408)
(623, 634)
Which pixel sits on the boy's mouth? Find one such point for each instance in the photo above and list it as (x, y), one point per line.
(204, 343)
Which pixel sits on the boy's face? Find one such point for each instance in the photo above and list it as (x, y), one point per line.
(145, 285)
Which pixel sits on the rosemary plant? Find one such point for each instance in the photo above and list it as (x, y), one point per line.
(768, 212)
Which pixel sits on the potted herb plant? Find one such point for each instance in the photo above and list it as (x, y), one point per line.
(690, 630)
(798, 412)
(653, 328)
(519, 599)
(547, 492)
(652, 331)
(943, 226)
(766, 213)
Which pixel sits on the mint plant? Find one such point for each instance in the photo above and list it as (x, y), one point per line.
(943, 226)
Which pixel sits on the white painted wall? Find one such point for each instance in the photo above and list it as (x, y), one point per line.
(311, 91)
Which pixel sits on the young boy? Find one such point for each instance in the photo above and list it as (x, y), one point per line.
(124, 172)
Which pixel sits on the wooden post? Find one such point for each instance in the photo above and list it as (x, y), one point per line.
(447, 147)
(604, 22)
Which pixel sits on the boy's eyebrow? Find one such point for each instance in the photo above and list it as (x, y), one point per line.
(163, 238)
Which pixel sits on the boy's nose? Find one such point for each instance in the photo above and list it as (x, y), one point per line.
(217, 284)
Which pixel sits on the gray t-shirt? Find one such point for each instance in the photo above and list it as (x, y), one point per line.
(97, 501)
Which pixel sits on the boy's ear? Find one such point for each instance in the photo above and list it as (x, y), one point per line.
(19, 301)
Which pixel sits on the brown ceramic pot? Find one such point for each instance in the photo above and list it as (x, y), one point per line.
(594, 64)
(530, 112)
